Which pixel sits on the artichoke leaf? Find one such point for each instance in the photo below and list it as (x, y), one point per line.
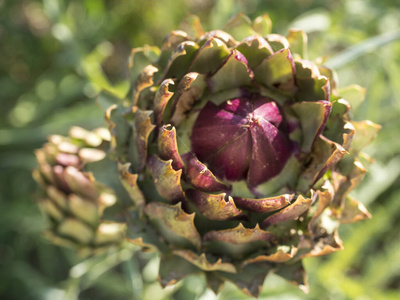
(192, 26)
(166, 179)
(161, 99)
(180, 60)
(225, 37)
(58, 173)
(295, 274)
(203, 263)
(250, 278)
(119, 129)
(175, 38)
(311, 85)
(214, 207)
(129, 181)
(189, 90)
(263, 205)
(57, 196)
(145, 247)
(90, 155)
(175, 225)
(62, 241)
(233, 72)
(90, 138)
(262, 25)
(43, 175)
(284, 182)
(343, 136)
(298, 42)
(67, 145)
(237, 242)
(198, 175)
(143, 234)
(277, 41)
(311, 127)
(145, 80)
(239, 26)
(353, 211)
(280, 256)
(291, 212)
(353, 177)
(333, 81)
(82, 209)
(65, 159)
(338, 129)
(255, 49)
(168, 147)
(50, 209)
(354, 94)
(140, 58)
(324, 155)
(214, 282)
(239, 235)
(320, 246)
(340, 108)
(109, 233)
(324, 200)
(76, 230)
(365, 133)
(220, 97)
(38, 177)
(81, 183)
(170, 273)
(148, 53)
(277, 72)
(142, 127)
(211, 55)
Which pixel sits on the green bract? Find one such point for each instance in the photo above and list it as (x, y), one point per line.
(238, 154)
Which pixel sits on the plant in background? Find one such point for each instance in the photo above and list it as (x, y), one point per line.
(74, 200)
(236, 152)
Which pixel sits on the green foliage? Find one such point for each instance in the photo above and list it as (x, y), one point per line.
(58, 54)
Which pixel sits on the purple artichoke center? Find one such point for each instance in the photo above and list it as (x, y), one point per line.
(242, 139)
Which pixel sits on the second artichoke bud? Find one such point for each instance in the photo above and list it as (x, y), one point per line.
(74, 201)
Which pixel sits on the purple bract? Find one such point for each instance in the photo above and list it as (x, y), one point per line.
(242, 138)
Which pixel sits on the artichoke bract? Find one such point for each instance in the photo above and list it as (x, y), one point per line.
(237, 153)
(74, 200)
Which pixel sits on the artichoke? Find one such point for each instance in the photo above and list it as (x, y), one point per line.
(237, 154)
(74, 200)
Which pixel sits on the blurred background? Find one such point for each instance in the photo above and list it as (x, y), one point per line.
(55, 55)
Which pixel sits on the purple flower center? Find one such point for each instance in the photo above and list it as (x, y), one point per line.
(242, 139)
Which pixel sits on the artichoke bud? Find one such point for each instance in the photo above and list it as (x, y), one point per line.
(242, 154)
(74, 201)
(237, 153)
